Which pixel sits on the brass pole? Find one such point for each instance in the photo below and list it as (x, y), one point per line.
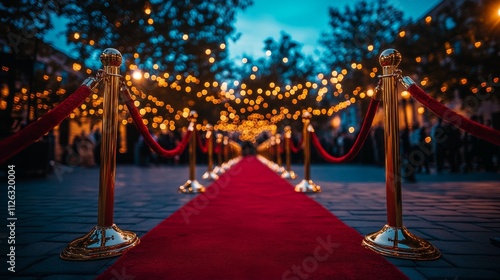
(192, 156)
(192, 185)
(391, 141)
(210, 174)
(307, 185)
(106, 239)
(288, 173)
(278, 150)
(112, 65)
(210, 146)
(394, 239)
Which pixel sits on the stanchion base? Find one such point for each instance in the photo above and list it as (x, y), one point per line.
(192, 187)
(277, 168)
(99, 243)
(288, 175)
(307, 186)
(400, 243)
(210, 175)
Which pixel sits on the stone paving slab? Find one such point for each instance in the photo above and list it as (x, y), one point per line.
(456, 212)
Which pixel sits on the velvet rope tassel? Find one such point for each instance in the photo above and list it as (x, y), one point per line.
(134, 113)
(31, 133)
(360, 139)
(472, 127)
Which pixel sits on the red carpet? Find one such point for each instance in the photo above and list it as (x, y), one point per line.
(250, 224)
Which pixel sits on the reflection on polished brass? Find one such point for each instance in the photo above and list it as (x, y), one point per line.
(210, 174)
(111, 241)
(101, 242)
(398, 242)
(288, 173)
(307, 185)
(394, 239)
(191, 185)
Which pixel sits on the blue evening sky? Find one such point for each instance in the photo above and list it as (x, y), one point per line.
(304, 20)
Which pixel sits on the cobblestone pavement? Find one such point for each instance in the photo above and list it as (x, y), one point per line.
(458, 213)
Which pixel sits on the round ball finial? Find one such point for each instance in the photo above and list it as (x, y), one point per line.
(306, 115)
(390, 57)
(111, 57)
(193, 115)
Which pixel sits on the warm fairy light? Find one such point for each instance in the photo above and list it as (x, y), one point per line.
(428, 139)
(402, 34)
(369, 93)
(477, 44)
(463, 81)
(353, 65)
(421, 110)
(150, 21)
(77, 67)
(405, 94)
(244, 60)
(428, 19)
(185, 37)
(91, 42)
(418, 59)
(351, 129)
(208, 51)
(137, 75)
(211, 60)
(255, 68)
(147, 11)
(285, 59)
(268, 53)
(136, 55)
(370, 48)
(76, 35)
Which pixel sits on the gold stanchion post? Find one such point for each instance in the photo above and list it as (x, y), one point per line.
(307, 185)
(218, 169)
(105, 239)
(288, 173)
(210, 174)
(192, 185)
(225, 150)
(394, 239)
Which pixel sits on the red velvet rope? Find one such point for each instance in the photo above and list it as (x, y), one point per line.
(218, 148)
(136, 116)
(360, 139)
(472, 127)
(203, 147)
(31, 133)
(295, 149)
